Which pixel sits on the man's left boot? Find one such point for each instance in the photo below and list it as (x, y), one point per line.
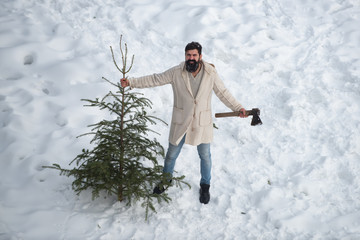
(204, 193)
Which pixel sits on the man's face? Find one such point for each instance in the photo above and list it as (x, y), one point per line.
(192, 55)
(192, 59)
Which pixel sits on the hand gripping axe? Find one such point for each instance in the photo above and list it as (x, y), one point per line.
(255, 112)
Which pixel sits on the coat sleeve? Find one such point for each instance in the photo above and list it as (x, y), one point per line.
(154, 80)
(224, 94)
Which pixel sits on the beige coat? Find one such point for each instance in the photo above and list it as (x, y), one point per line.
(191, 115)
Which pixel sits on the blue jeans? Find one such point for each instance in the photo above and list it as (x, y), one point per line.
(205, 160)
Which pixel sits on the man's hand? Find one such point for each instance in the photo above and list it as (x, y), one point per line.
(124, 82)
(243, 113)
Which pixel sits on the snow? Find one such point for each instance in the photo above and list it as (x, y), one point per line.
(294, 177)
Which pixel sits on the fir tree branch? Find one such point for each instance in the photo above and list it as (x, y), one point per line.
(113, 57)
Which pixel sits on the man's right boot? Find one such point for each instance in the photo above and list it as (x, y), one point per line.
(160, 188)
(204, 193)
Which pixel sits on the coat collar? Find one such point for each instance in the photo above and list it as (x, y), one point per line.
(186, 79)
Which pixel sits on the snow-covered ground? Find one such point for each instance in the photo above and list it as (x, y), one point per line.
(294, 177)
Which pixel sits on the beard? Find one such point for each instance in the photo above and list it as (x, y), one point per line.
(191, 65)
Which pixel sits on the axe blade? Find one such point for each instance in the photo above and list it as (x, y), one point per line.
(255, 112)
(256, 119)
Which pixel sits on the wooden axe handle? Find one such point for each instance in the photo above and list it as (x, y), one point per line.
(237, 113)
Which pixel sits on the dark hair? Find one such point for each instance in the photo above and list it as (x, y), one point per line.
(193, 45)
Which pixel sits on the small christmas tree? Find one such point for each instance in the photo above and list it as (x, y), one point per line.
(124, 160)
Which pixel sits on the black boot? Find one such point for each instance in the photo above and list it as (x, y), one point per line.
(204, 193)
(161, 187)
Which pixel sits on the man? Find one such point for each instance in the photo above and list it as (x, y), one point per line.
(192, 82)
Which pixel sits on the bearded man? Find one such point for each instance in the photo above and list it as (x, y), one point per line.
(193, 82)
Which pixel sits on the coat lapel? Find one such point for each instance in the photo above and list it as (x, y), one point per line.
(203, 80)
(186, 81)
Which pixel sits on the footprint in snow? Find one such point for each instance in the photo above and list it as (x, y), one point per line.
(29, 59)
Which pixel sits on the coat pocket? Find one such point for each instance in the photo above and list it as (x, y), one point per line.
(178, 115)
(205, 118)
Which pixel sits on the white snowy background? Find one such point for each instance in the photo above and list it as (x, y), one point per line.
(295, 177)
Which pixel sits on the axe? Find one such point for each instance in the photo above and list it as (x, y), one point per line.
(255, 112)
